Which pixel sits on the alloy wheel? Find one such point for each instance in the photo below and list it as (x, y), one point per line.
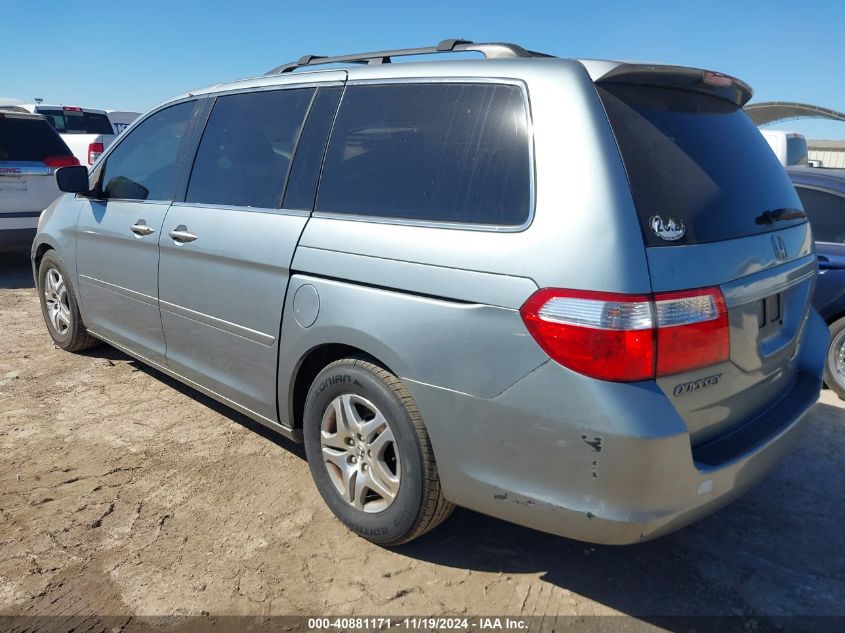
(360, 453)
(58, 308)
(836, 358)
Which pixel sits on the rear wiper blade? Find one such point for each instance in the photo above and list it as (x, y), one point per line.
(779, 215)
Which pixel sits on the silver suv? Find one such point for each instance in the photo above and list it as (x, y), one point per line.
(30, 153)
(570, 294)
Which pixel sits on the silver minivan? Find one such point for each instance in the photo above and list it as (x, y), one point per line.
(572, 294)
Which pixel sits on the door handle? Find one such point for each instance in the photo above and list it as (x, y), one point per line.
(181, 234)
(825, 264)
(142, 228)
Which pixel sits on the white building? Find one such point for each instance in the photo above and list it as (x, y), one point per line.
(828, 153)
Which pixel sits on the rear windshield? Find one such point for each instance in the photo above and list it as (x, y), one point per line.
(699, 169)
(78, 121)
(29, 139)
(796, 150)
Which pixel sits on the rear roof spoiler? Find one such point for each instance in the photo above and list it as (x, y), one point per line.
(680, 78)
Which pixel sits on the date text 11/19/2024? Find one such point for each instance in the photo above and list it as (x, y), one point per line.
(419, 623)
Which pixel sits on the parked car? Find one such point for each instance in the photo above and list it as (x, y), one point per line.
(789, 147)
(87, 132)
(30, 152)
(523, 284)
(822, 192)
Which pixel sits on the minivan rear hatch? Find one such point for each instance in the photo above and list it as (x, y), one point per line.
(716, 210)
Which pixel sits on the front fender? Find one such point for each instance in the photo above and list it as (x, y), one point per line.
(57, 230)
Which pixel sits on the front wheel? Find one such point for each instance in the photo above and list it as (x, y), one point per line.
(370, 455)
(834, 366)
(59, 306)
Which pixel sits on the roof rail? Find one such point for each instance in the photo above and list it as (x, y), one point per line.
(489, 50)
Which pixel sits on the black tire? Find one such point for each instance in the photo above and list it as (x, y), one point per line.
(831, 377)
(75, 337)
(419, 505)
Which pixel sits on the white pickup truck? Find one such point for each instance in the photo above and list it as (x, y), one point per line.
(87, 132)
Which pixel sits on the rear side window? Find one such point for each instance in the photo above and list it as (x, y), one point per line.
(145, 165)
(247, 148)
(696, 162)
(447, 152)
(29, 139)
(826, 212)
(78, 121)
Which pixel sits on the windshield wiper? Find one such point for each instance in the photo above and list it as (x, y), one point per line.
(779, 215)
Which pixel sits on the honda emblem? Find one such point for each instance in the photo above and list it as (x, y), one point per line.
(780, 247)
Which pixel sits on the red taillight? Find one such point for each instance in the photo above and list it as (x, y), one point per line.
(94, 151)
(692, 330)
(603, 335)
(60, 161)
(72, 109)
(629, 337)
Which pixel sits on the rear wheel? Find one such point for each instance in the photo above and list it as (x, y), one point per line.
(834, 367)
(59, 306)
(370, 455)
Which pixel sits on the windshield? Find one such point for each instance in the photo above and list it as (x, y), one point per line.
(78, 121)
(699, 169)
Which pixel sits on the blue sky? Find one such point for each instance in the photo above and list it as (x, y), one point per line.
(70, 52)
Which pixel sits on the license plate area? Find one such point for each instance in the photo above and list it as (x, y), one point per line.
(766, 311)
(12, 184)
(769, 314)
(763, 332)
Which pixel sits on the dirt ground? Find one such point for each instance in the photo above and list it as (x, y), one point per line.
(122, 492)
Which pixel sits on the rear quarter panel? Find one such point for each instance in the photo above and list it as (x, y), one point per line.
(470, 347)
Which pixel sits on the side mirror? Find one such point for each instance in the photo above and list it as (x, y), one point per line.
(72, 179)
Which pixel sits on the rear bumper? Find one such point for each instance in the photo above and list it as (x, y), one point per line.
(17, 238)
(18, 228)
(603, 462)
